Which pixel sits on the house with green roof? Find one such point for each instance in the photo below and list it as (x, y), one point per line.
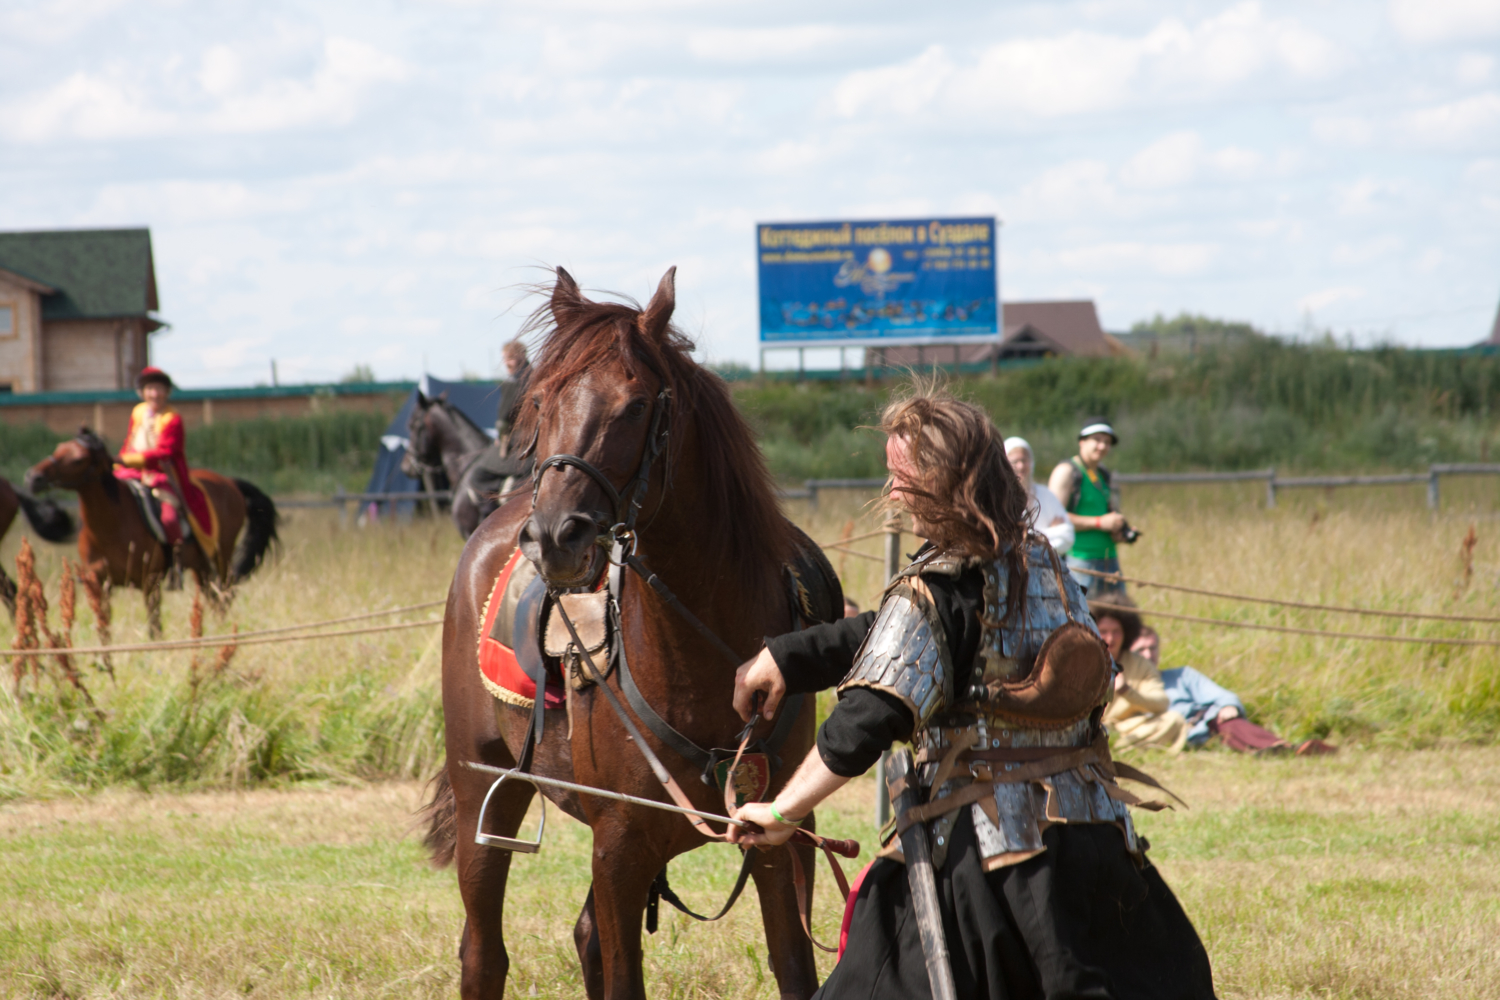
(77, 309)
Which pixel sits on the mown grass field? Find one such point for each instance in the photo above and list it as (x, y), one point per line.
(252, 839)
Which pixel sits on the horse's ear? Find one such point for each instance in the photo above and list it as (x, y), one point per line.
(422, 399)
(658, 313)
(442, 397)
(566, 297)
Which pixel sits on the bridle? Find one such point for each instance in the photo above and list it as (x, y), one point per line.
(618, 530)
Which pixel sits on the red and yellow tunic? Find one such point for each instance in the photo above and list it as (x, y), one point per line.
(155, 453)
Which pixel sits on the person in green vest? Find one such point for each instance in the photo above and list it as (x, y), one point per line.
(1084, 484)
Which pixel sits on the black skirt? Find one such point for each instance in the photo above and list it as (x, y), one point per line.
(1078, 920)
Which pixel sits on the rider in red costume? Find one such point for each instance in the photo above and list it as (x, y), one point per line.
(154, 453)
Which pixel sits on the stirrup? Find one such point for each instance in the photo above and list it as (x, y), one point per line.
(510, 843)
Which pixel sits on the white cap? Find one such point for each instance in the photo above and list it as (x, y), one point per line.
(1099, 428)
(1012, 443)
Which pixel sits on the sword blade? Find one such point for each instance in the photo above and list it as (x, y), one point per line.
(537, 779)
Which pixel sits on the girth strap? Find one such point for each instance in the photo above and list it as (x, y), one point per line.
(661, 889)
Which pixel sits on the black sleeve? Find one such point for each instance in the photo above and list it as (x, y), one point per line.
(865, 723)
(817, 658)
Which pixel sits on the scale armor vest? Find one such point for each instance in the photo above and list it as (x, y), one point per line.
(907, 654)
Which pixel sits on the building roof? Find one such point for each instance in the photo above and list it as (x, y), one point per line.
(1031, 328)
(96, 273)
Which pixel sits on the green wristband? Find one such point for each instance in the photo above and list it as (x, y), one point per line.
(776, 814)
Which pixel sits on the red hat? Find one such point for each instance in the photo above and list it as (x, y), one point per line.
(151, 373)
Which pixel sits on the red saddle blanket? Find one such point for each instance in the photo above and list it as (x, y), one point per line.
(502, 630)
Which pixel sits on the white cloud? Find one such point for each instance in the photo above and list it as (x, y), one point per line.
(1168, 162)
(765, 45)
(1365, 251)
(1167, 259)
(84, 106)
(1322, 299)
(1473, 68)
(1444, 20)
(1080, 71)
(1468, 121)
(331, 96)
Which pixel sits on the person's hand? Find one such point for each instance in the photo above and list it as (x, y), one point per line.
(1120, 683)
(760, 675)
(773, 831)
(1228, 712)
(1111, 522)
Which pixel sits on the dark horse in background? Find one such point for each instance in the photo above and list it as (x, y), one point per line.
(116, 538)
(709, 526)
(442, 440)
(46, 518)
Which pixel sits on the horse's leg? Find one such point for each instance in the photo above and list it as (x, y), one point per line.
(626, 860)
(586, 940)
(482, 875)
(790, 952)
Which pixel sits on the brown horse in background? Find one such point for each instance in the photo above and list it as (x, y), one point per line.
(710, 526)
(46, 518)
(116, 540)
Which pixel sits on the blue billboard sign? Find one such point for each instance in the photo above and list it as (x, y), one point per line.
(902, 281)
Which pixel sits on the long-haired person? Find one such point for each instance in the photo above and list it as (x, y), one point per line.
(1043, 886)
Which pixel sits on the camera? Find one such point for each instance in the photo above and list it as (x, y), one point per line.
(1129, 535)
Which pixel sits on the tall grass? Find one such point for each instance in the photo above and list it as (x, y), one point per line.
(365, 708)
(344, 709)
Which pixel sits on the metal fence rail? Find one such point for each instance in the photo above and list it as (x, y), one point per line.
(812, 487)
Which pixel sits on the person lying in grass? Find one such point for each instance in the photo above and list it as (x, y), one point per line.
(1176, 708)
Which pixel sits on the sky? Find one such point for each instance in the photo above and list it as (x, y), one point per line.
(375, 183)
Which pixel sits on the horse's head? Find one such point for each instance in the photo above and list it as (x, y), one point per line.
(424, 446)
(602, 418)
(73, 464)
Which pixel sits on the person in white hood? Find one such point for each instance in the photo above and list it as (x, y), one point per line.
(1050, 515)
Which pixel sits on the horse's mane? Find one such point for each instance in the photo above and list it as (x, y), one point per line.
(451, 408)
(743, 522)
(95, 445)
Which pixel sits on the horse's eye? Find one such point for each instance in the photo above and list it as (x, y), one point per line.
(636, 408)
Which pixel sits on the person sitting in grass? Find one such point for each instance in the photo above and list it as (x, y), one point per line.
(1177, 708)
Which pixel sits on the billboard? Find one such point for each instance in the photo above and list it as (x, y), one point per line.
(899, 281)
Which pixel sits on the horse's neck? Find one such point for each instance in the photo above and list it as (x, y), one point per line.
(739, 603)
(99, 510)
(460, 440)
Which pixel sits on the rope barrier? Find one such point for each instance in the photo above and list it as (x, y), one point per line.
(1365, 636)
(252, 638)
(1118, 578)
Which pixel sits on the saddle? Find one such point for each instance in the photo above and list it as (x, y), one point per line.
(516, 642)
(149, 505)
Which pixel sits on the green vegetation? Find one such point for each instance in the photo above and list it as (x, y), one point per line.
(1244, 402)
(283, 455)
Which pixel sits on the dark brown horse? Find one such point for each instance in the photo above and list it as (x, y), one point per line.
(115, 536)
(709, 526)
(440, 438)
(46, 518)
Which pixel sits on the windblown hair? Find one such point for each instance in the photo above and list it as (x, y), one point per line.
(966, 495)
(580, 334)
